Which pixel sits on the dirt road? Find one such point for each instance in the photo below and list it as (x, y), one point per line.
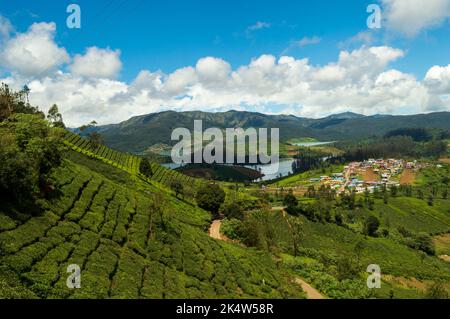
(214, 230)
(311, 292)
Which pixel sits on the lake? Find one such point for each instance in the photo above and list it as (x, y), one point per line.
(310, 144)
(284, 168)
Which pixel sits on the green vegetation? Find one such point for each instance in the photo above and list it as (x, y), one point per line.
(221, 172)
(210, 197)
(139, 230)
(129, 245)
(139, 133)
(29, 149)
(130, 236)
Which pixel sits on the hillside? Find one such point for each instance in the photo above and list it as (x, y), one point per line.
(131, 239)
(139, 133)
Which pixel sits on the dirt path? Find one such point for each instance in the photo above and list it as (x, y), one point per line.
(214, 230)
(311, 292)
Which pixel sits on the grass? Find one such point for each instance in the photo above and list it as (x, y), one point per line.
(303, 178)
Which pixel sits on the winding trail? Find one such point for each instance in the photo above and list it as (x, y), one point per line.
(214, 230)
(311, 292)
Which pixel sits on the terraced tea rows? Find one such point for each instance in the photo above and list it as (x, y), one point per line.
(125, 161)
(128, 244)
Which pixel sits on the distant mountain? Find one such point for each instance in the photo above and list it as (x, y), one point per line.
(345, 116)
(141, 132)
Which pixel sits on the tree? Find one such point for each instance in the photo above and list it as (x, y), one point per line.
(430, 200)
(420, 194)
(346, 267)
(290, 201)
(371, 225)
(371, 203)
(338, 219)
(85, 127)
(145, 168)
(29, 151)
(296, 229)
(210, 197)
(177, 187)
(359, 249)
(233, 209)
(385, 198)
(423, 242)
(12, 102)
(444, 194)
(54, 117)
(394, 190)
(96, 138)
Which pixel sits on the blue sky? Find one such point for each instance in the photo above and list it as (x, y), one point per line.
(167, 35)
(172, 35)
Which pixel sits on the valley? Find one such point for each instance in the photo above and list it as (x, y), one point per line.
(139, 230)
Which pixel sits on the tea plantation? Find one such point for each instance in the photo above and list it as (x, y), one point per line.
(131, 240)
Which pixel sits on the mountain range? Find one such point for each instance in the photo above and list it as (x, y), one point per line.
(141, 132)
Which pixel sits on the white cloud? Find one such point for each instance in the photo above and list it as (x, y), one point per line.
(409, 17)
(5, 28)
(360, 80)
(97, 63)
(35, 52)
(308, 41)
(258, 26)
(364, 37)
(212, 69)
(438, 79)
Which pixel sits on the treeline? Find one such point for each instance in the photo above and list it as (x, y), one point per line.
(395, 146)
(30, 147)
(307, 159)
(420, 134)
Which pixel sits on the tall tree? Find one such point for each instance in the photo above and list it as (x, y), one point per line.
(55, 117)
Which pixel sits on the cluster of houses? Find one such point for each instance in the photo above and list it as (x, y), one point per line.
(370, 174)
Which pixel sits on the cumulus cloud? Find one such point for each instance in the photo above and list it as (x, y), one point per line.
(308, 41)
(97, 63)
(438, 79)
(33, 53)
(409, 17)
(360, 80)
(212, 69)
(5, 28)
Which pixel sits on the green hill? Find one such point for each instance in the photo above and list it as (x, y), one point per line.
(130, 237)
(141, 132)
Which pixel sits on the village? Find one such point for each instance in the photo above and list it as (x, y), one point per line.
(369, 175)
